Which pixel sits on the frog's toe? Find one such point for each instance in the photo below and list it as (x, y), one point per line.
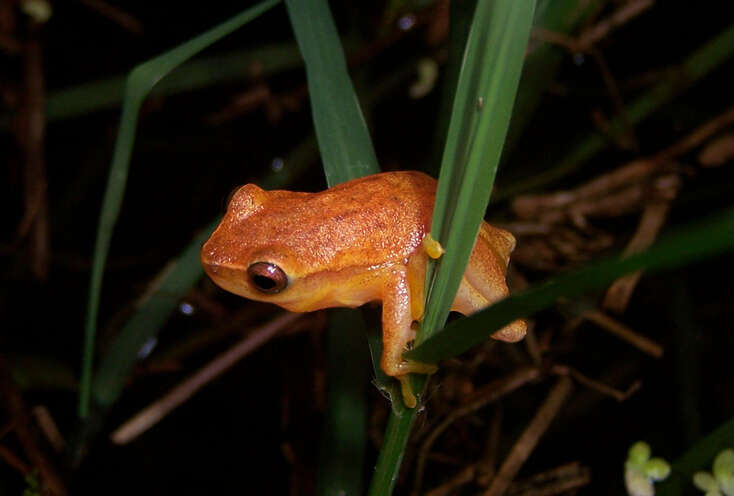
(413, 367)
(432, 247)
(512, 332)
(408, 397)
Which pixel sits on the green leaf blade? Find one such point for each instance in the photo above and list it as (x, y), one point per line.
(138, 85)
(703, 239)
(480, 119)
(344, 141)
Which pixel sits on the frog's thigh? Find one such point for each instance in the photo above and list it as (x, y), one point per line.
(484, 283)
(469, 300)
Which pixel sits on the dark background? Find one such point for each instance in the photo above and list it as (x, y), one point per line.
(256, 429)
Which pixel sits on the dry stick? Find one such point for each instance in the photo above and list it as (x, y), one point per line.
(653, 218)
(555, 481)
(487, 466)
(618, 18)
(482, 469)
(31, 131)
(465, 476)
(116, 15)
(14, 461)
(594, 384)
(628, 138)
(28, 435)
(624, 333)
(48, 426)
(589, 37)
(530, 437)
(487, 394)
(150, 415)
(530, 206)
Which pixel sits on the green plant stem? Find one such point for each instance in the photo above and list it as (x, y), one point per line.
(344, 439)
(695, 67)
(138, 85)
(347, 153)
(482, 105)
(392, 451)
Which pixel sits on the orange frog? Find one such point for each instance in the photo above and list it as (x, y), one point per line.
(360, 241)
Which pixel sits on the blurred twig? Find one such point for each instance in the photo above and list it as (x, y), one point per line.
(482, 397)
(116, 15)
(28, 433)
(625, 333)
(530, 437)
(150, 415)
(31, 130)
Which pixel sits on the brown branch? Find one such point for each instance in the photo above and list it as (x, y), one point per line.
(525, 445)
(653, 218)
(595, 385)
(624, 333)
(116, 15)
(28, 434)
(14, 461)
(555, 481)
(585, 42)
(465, 476)
(618, 18)
(482, 397)
(181, 393)
(31, 131)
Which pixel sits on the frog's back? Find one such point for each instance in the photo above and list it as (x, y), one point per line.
(367, 221)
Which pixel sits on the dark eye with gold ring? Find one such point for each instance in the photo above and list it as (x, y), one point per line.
(267, 277)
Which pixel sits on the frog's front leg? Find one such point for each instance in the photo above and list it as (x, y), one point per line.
(397, 332)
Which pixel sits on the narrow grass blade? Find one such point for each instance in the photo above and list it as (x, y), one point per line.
(344, 141)
(700, 457)
(479, 121)
(201, 73)
(347, 153)
(344, 440)
(461, 13)
(703, 239)
(483, 101)
(139, 83)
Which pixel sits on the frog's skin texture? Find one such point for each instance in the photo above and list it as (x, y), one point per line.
(357, 242)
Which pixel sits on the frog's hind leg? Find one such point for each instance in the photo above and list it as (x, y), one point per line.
(484, 280)
(397, 331)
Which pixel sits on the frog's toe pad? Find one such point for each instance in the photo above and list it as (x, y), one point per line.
(512, 332)
(432, 247)
(408, 397)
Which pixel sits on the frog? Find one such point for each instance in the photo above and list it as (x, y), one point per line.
(364, 240)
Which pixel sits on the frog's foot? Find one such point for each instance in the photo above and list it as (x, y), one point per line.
(512, 332)
(412, 367)
(432, 247)
(408, 397)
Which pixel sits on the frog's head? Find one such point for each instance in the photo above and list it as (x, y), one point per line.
(249, 252)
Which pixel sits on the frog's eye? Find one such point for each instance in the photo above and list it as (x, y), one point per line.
(267, 277)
